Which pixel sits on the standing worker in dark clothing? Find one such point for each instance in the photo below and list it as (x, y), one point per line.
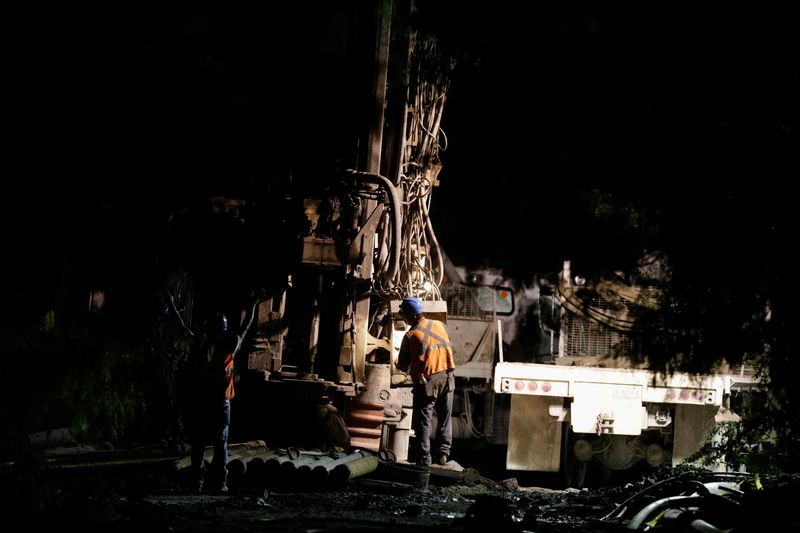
(426, 354)
(211, 399)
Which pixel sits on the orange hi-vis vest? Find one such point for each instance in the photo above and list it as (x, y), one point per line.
(429, 349)
(228, 366)
(222, 365)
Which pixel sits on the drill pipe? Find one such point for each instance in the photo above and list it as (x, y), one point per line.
(321, 472)
(344, 472)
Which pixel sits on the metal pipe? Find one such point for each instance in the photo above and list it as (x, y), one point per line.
(293, 464)
(273, 464)
(343, 473)
(307, 475)
(320, 473)
(254, 473)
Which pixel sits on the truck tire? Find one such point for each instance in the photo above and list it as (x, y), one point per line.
(573, 471)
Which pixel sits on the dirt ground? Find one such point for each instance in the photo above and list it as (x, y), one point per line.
(153, 498)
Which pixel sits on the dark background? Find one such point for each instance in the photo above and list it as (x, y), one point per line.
(590, 133)
(689, 112)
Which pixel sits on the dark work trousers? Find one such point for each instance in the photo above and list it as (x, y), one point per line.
(436, 394)
(212, 425)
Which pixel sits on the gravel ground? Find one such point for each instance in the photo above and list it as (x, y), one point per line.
(153, 499)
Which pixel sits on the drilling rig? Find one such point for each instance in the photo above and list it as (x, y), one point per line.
(343, 227)
(344, 233)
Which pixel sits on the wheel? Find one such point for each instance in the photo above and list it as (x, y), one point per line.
(573, 471)
(579, 469)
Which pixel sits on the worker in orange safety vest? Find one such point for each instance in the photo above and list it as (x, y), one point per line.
(427, 355)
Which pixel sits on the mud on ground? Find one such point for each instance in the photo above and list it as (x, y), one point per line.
(154, 499)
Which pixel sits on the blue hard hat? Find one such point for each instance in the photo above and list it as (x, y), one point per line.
(411, 305)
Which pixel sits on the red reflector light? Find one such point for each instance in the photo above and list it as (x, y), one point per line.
(519, 385)
(546, 387)
(684, 395)
(670, 395)
(532, 386)
(698, 395)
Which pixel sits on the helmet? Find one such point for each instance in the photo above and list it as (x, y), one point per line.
(411, 305)
(218, 324)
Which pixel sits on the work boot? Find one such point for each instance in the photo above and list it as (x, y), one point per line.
(441, 459)
(197, 482)
(423, 463)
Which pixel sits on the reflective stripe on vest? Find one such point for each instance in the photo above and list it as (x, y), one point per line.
(427, 334)
(430, 349)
